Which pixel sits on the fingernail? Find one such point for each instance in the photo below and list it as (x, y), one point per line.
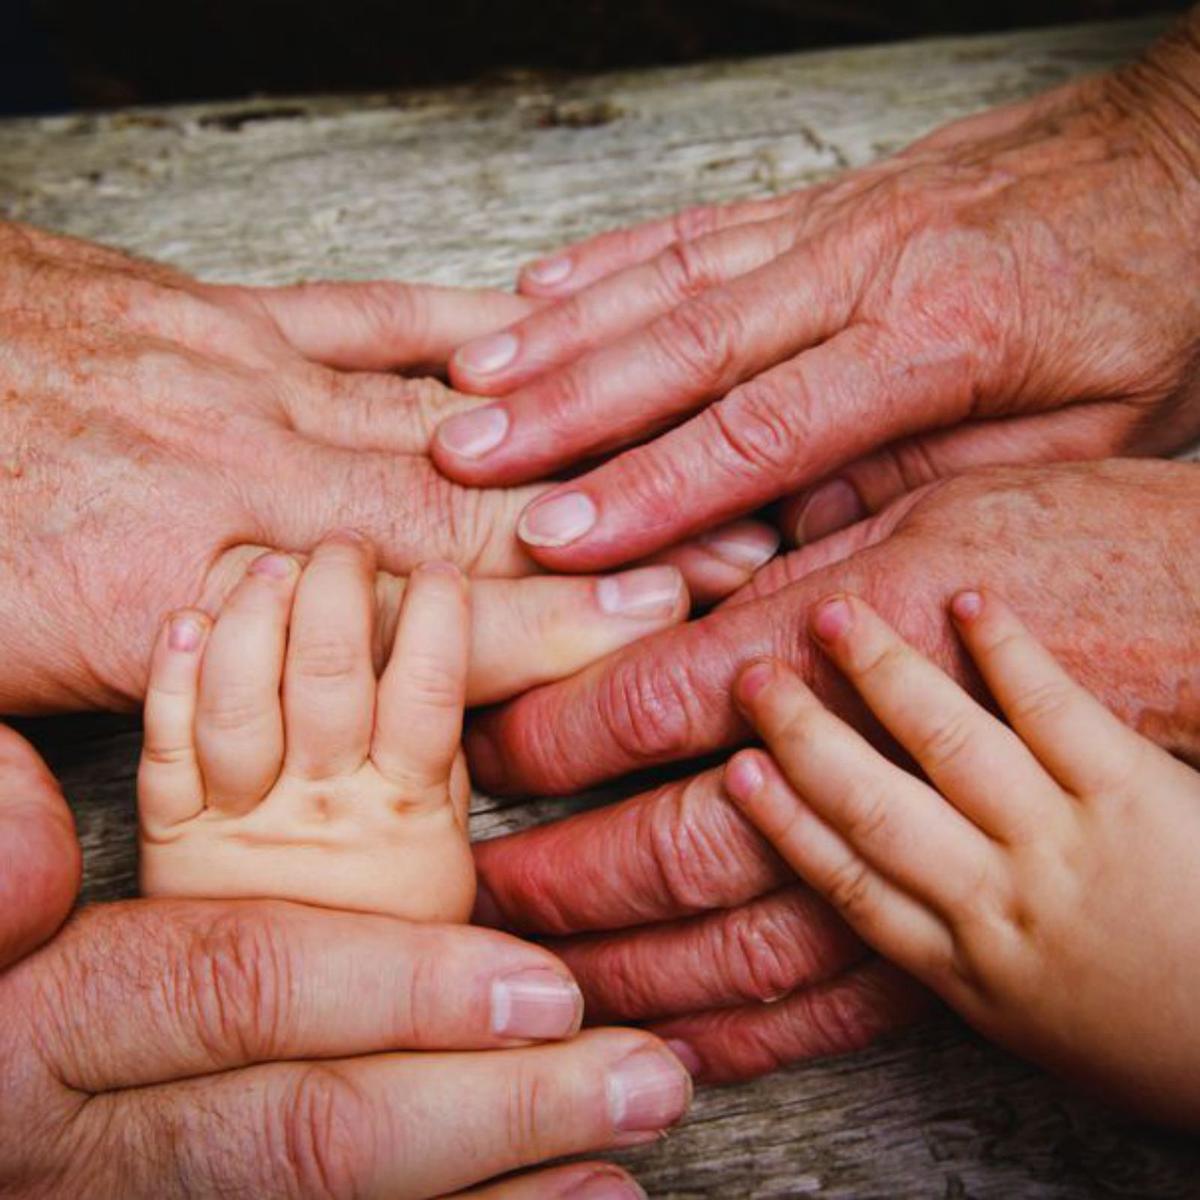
(648, 1092)
(558, 521)
(747, 547)
(185, 634)
(966, 606)
(832, 619)
(489, 354)
(686, 1053)
(486, 911)
(831, 507)
(743, 780)
(536, 1004)
(753, 680)
(604, 1187)
(644, 593)
(549, 271)
(472, 434)
(273, 566)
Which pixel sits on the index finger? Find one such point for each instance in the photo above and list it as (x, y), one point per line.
(164, 990)
(766, 438)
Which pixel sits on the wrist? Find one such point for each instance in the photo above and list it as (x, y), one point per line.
(1159, 93)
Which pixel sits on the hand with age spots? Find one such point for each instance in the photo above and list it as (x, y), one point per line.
(1043, 881)
(668, 907)
(154, 426)
(1015, 288)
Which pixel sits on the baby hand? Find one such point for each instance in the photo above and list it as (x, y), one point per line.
(1047, 884)
(276, 765)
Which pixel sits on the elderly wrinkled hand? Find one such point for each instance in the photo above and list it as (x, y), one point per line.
(154, 426)
(164, 1049)
(1016, 287)
(697, 931)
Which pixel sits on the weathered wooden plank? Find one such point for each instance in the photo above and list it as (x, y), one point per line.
(461, 186)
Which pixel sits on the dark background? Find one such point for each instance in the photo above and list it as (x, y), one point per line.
(56, 54)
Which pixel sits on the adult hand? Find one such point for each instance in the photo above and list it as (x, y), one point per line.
(678, 897)
(152, 424)
(185, 1048)
(1016, 287)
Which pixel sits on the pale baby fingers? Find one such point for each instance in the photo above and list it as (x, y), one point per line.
(894, 821)
(897, 925)
(1083, 745)
(170, 786)
(419, 713)
(239, 721)
(329, 679)
(975, 761)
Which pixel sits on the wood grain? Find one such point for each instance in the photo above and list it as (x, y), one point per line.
(461, 186)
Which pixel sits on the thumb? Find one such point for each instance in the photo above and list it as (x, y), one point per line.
(39, 854)
(380, 325)
(870, 484)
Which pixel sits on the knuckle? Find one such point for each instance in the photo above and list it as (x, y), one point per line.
(944, 744)
(694, 222)
(429, 683)
(324, 1130)
(235, 712)
(231, 984)
(699, 337)
(754, 430)
(685, 270)
(645, 705)
(328, 659)
(848, 886)
(533, 1107)
(693, 857)
(1041, 701)
(758, 956)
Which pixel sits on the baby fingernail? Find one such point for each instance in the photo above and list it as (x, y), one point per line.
(746, 547)
(752, 681)
(273, 566)
(549, 271)
(185, 634)
(832, 620)
(966, 606)
(536, 1004)
(489, 354)
(744, 780)
(831, 507)
(558, 521)
(648, 1091)
(604, 1187)
(645, 593)
(473, 434)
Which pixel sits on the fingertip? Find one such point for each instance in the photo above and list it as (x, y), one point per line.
(548, 276)
(967, 606)
(832, 619)
(275, 565)
(745, 775)
(655, 594)
(754, 681)
(186, 630)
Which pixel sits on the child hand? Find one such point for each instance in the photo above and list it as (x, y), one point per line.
(1050, 892)
(275, 765)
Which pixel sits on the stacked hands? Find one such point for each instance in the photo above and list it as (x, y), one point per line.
(900, 362)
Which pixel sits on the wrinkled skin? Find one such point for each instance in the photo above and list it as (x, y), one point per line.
(678, 896)
(152, 425)
(1017, 287)
(171, 1049)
